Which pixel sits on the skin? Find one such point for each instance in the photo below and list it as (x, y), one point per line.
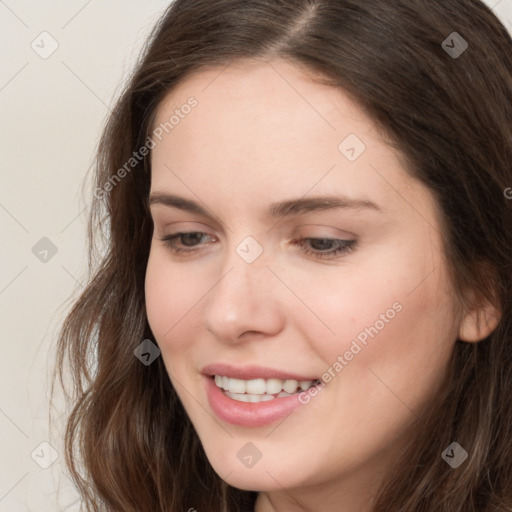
(264, 132)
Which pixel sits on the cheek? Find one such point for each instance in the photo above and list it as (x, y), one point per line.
(158, 300)
(172, 301)
(390, 323)
(170, 298)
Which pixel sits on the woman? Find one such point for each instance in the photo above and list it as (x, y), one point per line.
(304, 303)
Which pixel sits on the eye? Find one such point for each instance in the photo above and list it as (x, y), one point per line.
(188, 239)
(320, 248)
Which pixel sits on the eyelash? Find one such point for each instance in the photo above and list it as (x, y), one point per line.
(343, 246)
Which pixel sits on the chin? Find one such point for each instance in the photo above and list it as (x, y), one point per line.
(255, 481)
(262, 476)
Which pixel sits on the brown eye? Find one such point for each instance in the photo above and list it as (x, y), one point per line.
(190, 239)
(326, 247)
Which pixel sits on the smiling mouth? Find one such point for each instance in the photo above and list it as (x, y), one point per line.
(261, 390)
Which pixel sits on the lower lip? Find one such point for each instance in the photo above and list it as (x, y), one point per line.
(249, 414)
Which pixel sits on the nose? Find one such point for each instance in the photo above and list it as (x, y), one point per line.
(245, 302)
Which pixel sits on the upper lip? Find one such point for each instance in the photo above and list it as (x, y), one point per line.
(251, 372)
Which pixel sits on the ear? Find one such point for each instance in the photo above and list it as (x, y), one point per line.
(479, 322)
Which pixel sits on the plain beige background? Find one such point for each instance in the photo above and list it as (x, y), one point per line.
(52, 109)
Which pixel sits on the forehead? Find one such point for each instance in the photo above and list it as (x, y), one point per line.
(267, 127)
(278, 92)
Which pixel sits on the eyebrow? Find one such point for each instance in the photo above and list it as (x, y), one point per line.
(278, 210)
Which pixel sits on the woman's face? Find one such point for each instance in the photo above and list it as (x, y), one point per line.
(310, 255)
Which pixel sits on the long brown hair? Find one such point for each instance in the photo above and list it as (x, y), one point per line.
(129, 443)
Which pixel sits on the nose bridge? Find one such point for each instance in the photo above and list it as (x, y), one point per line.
(243, 299)
(246, 263)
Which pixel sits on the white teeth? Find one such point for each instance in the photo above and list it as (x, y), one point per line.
(249, 398)
(237, 385)
(290, 386)
(260, 387)
(305, 384)
(274, 386)
(256, 387)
